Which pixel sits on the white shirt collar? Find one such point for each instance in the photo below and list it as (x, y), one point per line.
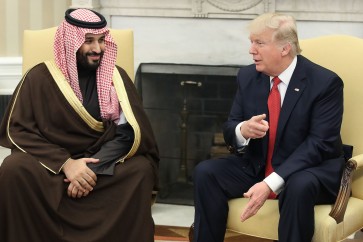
(286, 75)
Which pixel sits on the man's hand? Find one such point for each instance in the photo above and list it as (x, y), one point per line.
(258, 194)
(74, 192)
(81, 178)
(254, 128)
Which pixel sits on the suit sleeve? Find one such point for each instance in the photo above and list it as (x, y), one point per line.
(235, 117)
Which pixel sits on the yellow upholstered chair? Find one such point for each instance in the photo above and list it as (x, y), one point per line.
(38, 47)
(343, 55)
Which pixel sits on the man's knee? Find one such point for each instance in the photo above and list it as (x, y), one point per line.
(202, 171)
(142, 168)
(15, 167)
(301, 184)
(14, 164)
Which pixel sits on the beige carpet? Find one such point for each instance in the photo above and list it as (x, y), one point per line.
(180, 234)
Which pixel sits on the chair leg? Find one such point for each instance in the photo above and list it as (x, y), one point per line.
(191, 233)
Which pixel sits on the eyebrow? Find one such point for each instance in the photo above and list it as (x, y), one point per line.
(93, 37)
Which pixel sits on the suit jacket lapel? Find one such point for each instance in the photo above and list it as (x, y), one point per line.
(293, 93)
(263, 90)
(261, 104)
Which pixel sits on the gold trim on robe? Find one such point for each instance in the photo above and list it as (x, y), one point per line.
(71, 97)
(127, 110)
(11, 112)
(79, 108)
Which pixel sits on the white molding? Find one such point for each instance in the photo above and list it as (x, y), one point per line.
(147, 8)
(323, 10)
(239, 9)
(10, 74)
(10, 65)
(245, 9)
(306, 10)
(90, 4)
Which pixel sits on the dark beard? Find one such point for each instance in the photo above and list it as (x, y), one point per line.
(83, 62)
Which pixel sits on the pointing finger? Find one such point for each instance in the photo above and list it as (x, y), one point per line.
(260, 117)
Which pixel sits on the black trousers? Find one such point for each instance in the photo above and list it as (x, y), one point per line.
(218, 180)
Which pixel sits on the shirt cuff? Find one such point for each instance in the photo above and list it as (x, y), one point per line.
(275, 182)
(241, 141)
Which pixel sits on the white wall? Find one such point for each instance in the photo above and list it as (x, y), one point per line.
(208, 41)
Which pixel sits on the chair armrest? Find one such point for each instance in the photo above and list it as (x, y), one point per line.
(359, 160)
(338, 210)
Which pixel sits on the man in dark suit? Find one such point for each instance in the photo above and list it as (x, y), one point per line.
(284, 128)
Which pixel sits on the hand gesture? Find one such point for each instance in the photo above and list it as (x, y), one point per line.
(82, 179)
(254, 128)
(257, 194)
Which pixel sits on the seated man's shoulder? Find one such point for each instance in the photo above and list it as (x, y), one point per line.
(38, 72)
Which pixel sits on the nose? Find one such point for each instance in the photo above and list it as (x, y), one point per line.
(96, 47)
(252, 49)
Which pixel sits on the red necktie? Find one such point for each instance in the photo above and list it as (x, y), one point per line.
(274, 106)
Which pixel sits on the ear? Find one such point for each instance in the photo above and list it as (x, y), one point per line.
(286, 48)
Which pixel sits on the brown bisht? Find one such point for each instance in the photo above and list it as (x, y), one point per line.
(44, 125)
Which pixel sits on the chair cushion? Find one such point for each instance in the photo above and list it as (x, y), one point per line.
(265, 223)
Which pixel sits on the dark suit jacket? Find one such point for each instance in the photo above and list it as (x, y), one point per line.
(308, 132)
